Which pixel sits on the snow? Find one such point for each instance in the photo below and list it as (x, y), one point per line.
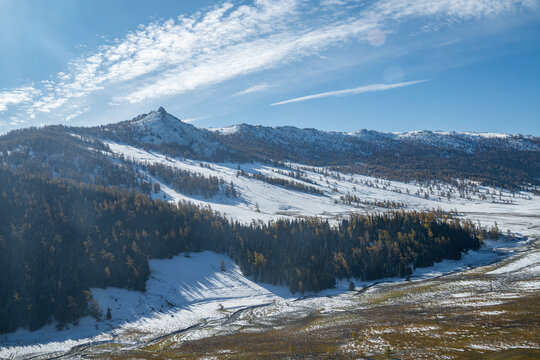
(514, 212)
(225, 130)
(159, 127)
(181, 292)
(467, 141)
(184, 292)
(529, 260)
(300, 141)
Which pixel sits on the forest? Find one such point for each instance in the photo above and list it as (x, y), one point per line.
(187, 182)
(59, 238)
(52, 151)
(491, 164)
(512, 170)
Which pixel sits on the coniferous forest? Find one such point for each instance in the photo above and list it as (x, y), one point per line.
(59, 238)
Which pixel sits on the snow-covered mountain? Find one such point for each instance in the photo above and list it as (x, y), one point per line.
(364, 141)
(509, 161)
(470, 141)
(288, 142)
(159, 128)
(159, 149)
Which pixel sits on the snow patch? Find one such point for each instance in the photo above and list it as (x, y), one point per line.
(527, 261)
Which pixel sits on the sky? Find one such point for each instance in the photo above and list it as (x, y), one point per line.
(339, 65)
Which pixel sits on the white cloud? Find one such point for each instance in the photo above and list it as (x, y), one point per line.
(332, 2)
(244, 58)
(457, 9)
(77, 112)
(15, 121)
(252, 89)
(17, 96)
(354, 91)
(232, 39)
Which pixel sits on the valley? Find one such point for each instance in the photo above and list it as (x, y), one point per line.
(482, 306)
(270, 179)
(201, 304)
(204, 312)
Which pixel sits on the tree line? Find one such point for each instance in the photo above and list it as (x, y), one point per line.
(286, 183)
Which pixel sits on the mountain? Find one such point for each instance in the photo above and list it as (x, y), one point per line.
(470, 141)
(509, 161)
(72, 216)
(160, 130)
(58, 240)
(320, 145)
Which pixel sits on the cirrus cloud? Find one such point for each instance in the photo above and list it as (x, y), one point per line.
(167, 58)
(353, 91)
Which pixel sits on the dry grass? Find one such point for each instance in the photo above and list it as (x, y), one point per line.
(380, 332)
(416, 320)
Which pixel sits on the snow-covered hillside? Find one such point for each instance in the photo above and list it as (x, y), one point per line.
(250, 142)
(264, 201)
(193, 298)
(470, 141)
(193, 293)
(181, 292)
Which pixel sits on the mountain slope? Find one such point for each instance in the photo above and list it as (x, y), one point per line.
(509, 161)
(160, 130)
(103, 229)
(300, 142)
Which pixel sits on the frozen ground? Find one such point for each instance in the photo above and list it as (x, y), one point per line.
(192, 293)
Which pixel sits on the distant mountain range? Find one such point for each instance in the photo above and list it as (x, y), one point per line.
(511, 161)
(291, 143)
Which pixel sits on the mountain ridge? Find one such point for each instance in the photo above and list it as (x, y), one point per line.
(502, 160)
(160, 119)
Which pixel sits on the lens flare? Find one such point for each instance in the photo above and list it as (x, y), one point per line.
(376, 37)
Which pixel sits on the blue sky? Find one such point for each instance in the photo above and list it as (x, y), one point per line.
(344, 65)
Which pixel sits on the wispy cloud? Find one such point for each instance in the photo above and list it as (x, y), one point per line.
(454, 9)
(194, 119)
(77, 112)
(252, 89)
(353, 91)
(17, 96)
(230, 40)
(447, 43)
